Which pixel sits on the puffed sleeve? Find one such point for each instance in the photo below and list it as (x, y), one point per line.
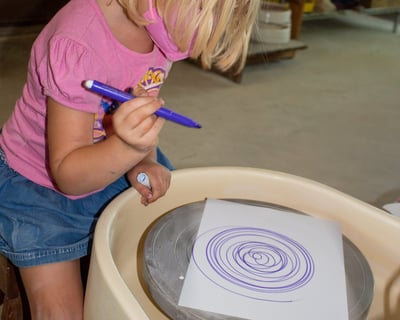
(67, 66)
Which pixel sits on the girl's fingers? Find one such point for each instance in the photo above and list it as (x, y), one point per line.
(136, 124)
(135, 112)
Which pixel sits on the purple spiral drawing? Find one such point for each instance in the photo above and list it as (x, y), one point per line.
(254, 262)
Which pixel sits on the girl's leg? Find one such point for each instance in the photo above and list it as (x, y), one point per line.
(54, 290)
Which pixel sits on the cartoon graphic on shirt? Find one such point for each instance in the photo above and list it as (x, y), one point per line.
(151, 82)
(99, 132)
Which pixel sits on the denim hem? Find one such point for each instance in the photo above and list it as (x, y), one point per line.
(45, 256)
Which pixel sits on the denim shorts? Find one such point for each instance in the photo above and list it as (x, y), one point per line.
(39, 225)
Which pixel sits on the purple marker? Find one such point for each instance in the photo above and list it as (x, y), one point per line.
(122, 96)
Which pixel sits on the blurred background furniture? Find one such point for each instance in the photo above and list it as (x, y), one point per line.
(18, 12)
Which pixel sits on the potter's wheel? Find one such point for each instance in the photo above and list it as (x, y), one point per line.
(167, 250)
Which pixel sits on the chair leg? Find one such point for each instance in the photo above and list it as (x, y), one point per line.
(9, 285)
(12, 309)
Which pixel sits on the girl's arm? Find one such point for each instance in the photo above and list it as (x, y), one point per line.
(79, 166)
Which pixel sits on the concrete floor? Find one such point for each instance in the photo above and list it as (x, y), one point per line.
(331, 114)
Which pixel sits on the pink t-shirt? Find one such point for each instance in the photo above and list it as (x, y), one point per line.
(75, 46)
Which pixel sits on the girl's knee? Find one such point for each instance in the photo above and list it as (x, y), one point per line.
(55, 308)
(54, 291)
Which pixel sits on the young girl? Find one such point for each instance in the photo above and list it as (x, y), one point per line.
(59, 164)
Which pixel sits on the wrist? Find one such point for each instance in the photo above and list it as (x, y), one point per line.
(140, 150)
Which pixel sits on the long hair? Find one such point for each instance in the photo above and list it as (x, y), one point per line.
(222, 28)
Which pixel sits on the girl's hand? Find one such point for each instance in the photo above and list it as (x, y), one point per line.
(159, 177)
(136, 125)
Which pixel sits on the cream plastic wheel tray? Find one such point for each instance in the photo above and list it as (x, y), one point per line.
(115, 289)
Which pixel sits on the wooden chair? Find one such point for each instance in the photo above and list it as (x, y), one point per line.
(10, 294)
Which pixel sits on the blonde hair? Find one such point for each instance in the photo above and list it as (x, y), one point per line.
(222, 28)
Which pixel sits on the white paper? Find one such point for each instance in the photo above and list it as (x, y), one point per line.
(259, 263)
